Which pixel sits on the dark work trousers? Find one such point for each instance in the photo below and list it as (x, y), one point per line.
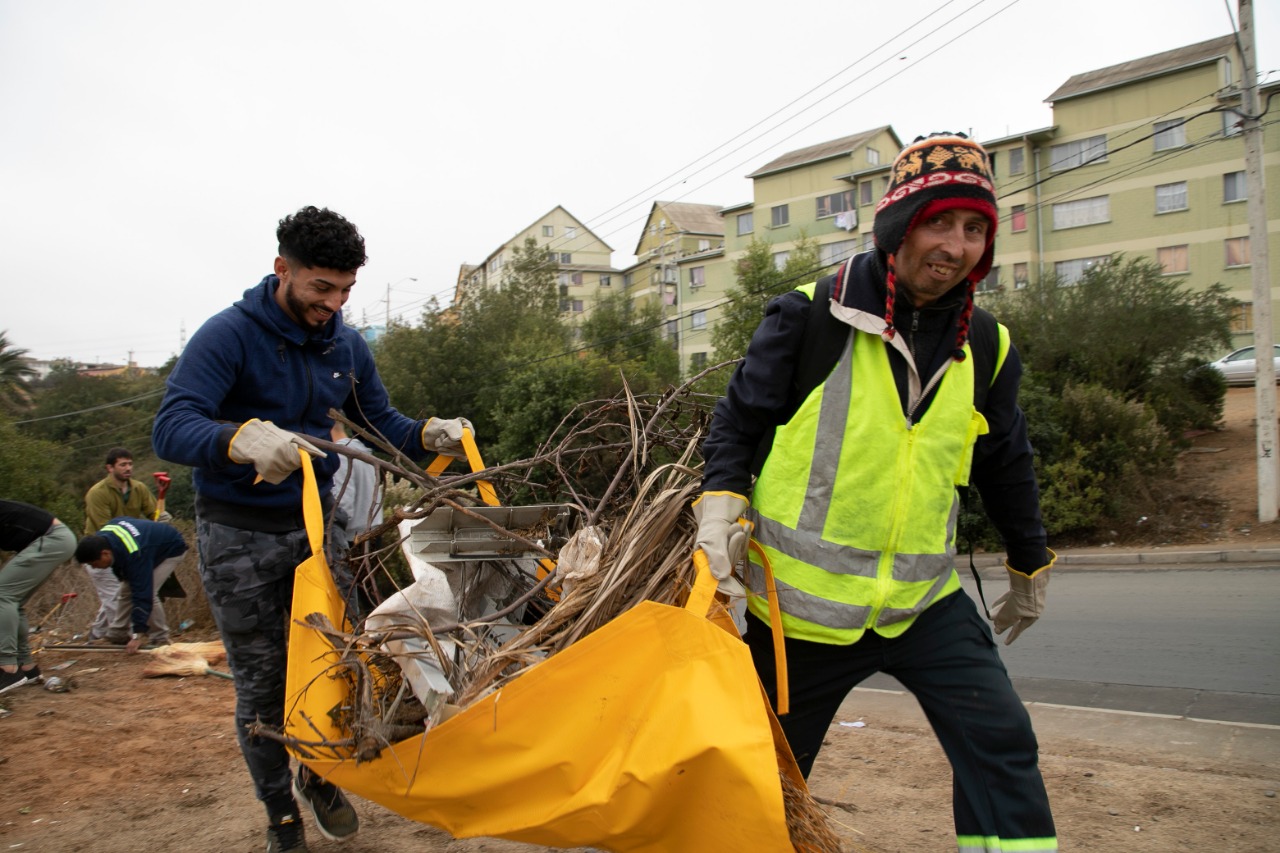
(248, 578)
(948, 660)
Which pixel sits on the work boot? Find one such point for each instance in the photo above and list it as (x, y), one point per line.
(335, 818)
(285, 833)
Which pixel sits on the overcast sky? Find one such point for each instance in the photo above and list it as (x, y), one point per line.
(148, 149)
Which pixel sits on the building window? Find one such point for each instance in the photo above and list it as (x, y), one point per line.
(1173, 259)
(1230, 123)
(873, 156)
(576, 278)
(1069, 155)
(1242, 318)
(698, 319)
(570, 231)
(865, 192)
(745, 223)
(780, 260)
(1019, 276)
(1084, 211)
(575, 305)
(830, 254)
(868, 241)
(1237, 250)
(1070, 272)
(495, 264)
(548, 231)
(1170, 197)
(697, 361)
(1018, 218)
(628, 279)
(1233, 187)
(697, 276)
(1017, 161)
(703, 245)
(991, 162)
(562, 279)
(606, 281)
(780, 215)
(566, 258)
(830, 205)
(1170, 134)
(990, 282)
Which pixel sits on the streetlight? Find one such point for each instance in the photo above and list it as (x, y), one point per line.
(387, 327)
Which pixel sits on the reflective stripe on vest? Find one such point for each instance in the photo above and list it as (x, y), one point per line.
(130, 544)
(857, 509)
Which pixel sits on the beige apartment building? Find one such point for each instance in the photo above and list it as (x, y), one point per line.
(583, 261)
(680, 244)
(1144, 158)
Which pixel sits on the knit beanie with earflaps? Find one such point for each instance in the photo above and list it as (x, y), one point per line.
(938, 172)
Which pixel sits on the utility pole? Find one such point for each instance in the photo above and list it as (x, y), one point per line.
(1265, 378)
(387, 326)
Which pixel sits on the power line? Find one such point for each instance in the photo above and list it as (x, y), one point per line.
(98, 408)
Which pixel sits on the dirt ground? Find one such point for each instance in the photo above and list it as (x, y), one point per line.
(125, 763)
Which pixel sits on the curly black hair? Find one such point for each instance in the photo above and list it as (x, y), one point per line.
(321, 238)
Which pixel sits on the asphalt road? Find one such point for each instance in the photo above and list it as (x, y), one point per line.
(1199, 643)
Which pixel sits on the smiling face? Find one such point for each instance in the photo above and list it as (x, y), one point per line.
(311, 295)
(939, 252)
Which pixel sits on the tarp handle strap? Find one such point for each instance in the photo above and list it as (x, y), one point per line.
(312, 514)
(699, 603)
(437, 466)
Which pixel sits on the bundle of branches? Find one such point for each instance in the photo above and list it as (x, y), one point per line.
(629, 465)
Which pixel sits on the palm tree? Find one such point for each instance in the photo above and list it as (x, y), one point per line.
(15, 371)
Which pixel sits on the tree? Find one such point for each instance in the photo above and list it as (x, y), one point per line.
(758, 281)
(630, 339)
(1128, 328)
(1114, 377)
(15, 373)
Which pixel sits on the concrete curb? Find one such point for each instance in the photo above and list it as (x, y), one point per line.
(1110, 559)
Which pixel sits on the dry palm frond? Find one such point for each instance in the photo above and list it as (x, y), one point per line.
(211, 650)
(180, 662)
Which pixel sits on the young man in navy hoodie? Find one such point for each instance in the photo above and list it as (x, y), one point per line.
(270, 366)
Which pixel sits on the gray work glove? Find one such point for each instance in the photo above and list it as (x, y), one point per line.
(445, 435)
(723, 535)
(165, 516)
(273, 452)
(1019, 608)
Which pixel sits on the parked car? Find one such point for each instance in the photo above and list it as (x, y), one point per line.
(1239, 367)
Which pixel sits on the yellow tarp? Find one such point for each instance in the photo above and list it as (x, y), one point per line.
(651, 733)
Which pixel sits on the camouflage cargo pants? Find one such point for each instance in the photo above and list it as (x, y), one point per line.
(248, 578)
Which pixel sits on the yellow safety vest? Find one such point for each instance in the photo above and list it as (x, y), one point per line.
(856, 508)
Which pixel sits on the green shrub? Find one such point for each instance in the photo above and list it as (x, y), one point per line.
(1072, 496)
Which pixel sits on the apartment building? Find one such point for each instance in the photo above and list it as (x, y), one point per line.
(1144, 158)
(826, 193)
(678, 266)
(583, 261)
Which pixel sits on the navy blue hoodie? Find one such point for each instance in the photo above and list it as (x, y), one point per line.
(253, 361)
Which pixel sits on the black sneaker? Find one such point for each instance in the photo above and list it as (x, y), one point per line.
(285, 833)
(335, 818)
(33, 674)
(10, 680)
